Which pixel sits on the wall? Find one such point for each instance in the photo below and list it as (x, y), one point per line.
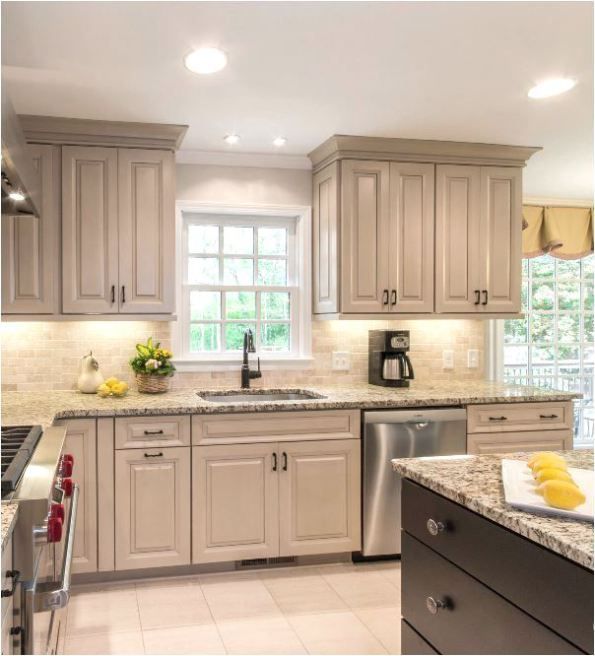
(45, 355)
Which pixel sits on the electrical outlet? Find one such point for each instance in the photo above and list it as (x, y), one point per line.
(448, 359)
(341, 361)
(472, 359)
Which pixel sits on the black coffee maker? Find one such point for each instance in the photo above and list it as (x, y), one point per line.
(388, 362)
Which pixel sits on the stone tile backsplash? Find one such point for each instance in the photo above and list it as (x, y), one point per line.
(46, 355)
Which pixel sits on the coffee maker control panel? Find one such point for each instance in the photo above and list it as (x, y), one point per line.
(399, 341)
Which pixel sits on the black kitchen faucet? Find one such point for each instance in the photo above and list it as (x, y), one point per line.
(247, 375)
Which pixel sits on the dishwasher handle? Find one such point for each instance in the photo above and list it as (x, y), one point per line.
(409, 416)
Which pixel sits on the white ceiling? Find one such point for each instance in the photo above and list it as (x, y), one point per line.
(443, 70)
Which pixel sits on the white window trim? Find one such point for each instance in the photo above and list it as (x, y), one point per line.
(231, 361)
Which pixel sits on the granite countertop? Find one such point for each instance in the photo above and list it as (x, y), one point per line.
(476, 483)
(43, 407)
(9, 515)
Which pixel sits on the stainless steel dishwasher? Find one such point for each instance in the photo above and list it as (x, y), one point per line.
(392, 434)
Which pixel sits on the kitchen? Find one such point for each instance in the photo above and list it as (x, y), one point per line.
(279, 335)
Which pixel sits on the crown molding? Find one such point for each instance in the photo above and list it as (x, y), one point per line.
(88, 132)
(256, 160)
(342, 146)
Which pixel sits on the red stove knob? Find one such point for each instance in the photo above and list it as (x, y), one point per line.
(66, 468)
(54, 529)
(67, 486)
(57, 510)
(67, 457)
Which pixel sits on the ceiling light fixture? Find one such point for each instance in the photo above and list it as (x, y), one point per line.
(552, 87)
(279, 141)
(231, 139)
(205, 61)
(16, 195)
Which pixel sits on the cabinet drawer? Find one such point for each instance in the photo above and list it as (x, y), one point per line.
(147, 432)
(514, 441)
(412, 642)
(508, 563)
(7, 581)
(475, 620)
(275, 427)
(519, 417)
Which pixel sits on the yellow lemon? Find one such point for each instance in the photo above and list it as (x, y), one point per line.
(103, 390)
(562, 494)
(548, 463)
(551, 474)
(120, 389)
(541, 454)
(110, 382)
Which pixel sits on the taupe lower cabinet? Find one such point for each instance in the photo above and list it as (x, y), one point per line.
(152, 492)
(275, 499)
(30, 244)
(118, 230)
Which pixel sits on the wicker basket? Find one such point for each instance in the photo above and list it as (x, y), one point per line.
(152, 384)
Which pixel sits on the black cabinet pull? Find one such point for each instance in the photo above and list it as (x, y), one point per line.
(385, 297)
(274, 462)
(284, 461)
(154, 432)
(434, 605)
(393, 297)
(477, 296)
(113, 294)
(435, 527)
(485, 297)
(16, 630)
(548, 416)
(154, 455)
(123, 294)
(15, 575)
(498, 418)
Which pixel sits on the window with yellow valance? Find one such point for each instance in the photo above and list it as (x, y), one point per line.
(563, 232)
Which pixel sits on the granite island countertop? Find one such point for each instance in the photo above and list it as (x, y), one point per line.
(43, 407)
(9, 516)
(476, 483)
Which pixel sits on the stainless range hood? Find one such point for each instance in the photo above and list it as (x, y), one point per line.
(18, 173)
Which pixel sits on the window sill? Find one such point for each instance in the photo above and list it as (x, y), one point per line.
(234, 364)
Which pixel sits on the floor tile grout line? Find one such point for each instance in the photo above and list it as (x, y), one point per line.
(140, 621)
(212, 616)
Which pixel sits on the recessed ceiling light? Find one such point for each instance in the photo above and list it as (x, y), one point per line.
(552, 87)
(205, 61)
(279, 141)
(16, 195)
(231, 139)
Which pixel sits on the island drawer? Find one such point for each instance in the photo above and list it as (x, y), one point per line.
(553, 589)
(275, 426)
(412, 642)
(473, 619)
(146, 432)
(504, 417)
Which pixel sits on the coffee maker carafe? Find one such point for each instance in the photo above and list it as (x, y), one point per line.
(388, 362)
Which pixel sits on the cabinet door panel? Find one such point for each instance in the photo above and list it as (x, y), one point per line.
(89, 229)
(411, 252)
(319, 497)
(501, 238)
(81, 443)
(458, 260)
(325, 239)
(146, 230)
(234, 511)
(152, 507)
(30, 253)
(364, 236)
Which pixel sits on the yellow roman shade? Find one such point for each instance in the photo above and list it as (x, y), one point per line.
(563, 232)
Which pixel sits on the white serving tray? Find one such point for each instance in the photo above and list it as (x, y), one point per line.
(519, 491)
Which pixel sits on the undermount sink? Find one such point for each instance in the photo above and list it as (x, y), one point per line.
(258, 396)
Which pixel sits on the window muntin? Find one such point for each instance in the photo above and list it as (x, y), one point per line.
(240, 272)
(553, 346)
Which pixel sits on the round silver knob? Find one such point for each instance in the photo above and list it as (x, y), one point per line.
(434, 605)
(434, 527)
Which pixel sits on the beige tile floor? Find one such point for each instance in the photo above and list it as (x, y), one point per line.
(330, 609)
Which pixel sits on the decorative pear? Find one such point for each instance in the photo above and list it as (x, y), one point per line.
(90, 377)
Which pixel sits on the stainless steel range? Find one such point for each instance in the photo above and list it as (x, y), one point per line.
(38, 476)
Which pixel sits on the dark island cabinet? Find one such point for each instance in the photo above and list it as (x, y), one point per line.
(470, 586)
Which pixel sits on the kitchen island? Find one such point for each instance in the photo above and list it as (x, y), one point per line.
(481, 577)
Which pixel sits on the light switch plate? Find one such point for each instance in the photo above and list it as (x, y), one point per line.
(472, 359)
(448, 359)
(341, 361)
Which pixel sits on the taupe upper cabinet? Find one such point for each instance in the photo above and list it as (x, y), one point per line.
(403, 226)
(30, 244)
